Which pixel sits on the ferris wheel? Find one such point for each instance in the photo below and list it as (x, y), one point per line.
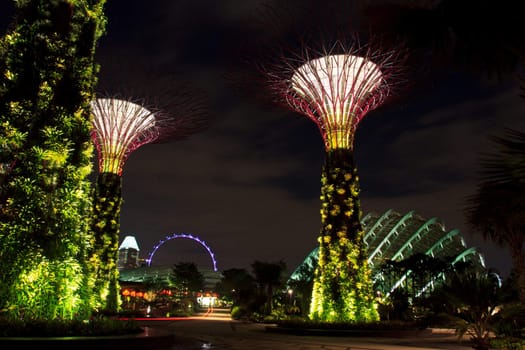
(184, 236)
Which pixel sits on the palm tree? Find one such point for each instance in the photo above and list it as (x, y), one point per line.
(474, 297)
(497, 209)
(236, 284)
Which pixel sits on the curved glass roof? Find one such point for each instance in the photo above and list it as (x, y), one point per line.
(392, 236)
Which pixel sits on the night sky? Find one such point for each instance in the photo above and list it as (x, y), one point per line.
(249, 184)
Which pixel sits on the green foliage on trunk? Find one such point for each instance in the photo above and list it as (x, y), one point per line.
(342, 290)
(106, 229)
(47, 78)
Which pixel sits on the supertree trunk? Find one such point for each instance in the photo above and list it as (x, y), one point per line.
(106, 227)
(342, 290)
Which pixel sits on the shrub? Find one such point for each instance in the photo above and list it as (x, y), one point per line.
(238, 312)
(67, 328)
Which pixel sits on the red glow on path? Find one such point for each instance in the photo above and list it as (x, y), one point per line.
(208, 314)
(157, 318)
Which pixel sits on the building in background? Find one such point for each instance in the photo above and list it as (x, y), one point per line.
(392, 237)
(128, 254)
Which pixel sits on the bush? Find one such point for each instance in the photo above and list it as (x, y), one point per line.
(67, 328)
(380, 325)
(510, 327)
(238, 312)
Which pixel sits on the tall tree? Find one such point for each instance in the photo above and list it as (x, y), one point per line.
(497, 209)
(47, 79)
(269, 275)
(236, 284)
(187, 277)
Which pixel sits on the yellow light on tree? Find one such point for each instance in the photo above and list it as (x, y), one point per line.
(336, 88)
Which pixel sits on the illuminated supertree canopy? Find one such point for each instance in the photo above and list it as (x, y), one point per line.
(336, 88)
(120, 127)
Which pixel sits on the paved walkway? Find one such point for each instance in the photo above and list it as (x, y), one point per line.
(217, 331)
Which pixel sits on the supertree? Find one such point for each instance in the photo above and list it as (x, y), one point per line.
(120, 126)
(47, 79)
(336, 87)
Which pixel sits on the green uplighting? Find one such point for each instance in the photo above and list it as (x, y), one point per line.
(342, 289)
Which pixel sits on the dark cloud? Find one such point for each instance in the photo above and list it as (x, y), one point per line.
(249, 184)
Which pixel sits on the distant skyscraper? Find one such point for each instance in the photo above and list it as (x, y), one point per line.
(128, 253)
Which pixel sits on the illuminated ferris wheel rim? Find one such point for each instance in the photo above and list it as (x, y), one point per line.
(182, 235)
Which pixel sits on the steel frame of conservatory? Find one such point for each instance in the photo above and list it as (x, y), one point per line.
(392, 236)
